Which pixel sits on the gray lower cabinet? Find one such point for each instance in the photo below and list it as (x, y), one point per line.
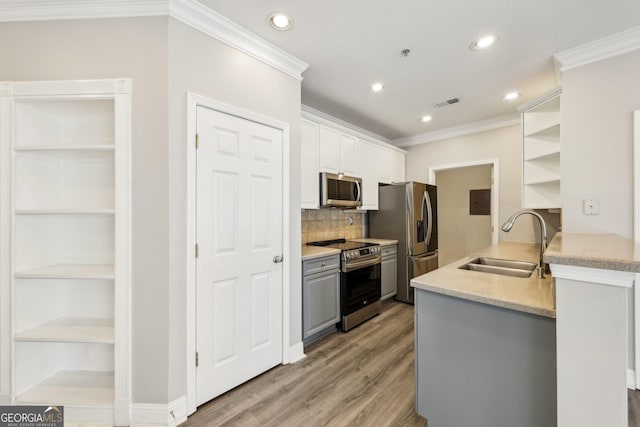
(320, 297)
(389, 271)
(483, 366)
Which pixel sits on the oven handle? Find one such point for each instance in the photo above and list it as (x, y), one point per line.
(362, 264)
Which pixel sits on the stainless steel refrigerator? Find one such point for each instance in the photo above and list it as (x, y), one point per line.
(408, 212)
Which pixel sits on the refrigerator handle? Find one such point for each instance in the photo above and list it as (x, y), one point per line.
(426, 202)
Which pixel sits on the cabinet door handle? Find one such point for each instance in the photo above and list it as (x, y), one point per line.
(324, 263)
(277, 259)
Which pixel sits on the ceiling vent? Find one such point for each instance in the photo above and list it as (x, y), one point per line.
(446, 103)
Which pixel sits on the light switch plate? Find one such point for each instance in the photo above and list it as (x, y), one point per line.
(591, 207)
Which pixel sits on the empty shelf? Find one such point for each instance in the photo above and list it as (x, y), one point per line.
(102, 147)
(71, 329)
(72, 387)
(68, 271)
(65, 212)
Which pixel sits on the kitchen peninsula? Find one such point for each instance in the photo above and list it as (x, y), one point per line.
(486, 344)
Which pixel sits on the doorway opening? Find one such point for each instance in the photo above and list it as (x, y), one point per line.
(467, 207)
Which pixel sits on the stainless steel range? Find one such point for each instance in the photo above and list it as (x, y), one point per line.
(359, 280)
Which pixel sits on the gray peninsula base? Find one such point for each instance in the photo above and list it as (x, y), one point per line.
(483, 366)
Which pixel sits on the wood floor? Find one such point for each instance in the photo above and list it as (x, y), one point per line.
(362, 378)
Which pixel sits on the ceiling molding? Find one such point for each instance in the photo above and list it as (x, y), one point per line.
(454, 131)
(539, 100)
(323, 118)
(597, 50)
(190, 12)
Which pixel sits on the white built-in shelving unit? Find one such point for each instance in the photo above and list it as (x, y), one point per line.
(541, 152)
(65, 227)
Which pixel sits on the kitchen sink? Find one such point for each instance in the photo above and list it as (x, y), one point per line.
(504, 267)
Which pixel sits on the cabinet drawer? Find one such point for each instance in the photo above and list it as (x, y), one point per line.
(389, 250)
(318, 265)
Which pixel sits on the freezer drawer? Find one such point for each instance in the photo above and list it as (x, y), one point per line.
(416, 266)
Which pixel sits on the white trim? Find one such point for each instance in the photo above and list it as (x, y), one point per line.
(296, 352)
(326, 119)
(597, 50)
(495, 187)
(461, 130)
(631, 379)
(189, 12)
(539, 100)
(636, 175)
(193, 102)
(598, 276)
(636, 233)
(172, 414)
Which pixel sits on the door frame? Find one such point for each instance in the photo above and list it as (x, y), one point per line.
(495, 187)
(193, 102)
(636, 235)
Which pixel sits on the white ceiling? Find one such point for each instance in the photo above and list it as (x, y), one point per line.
(349, 44)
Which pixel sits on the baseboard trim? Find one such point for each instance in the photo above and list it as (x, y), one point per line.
(631, 379)
(296, 352)
(172, 414)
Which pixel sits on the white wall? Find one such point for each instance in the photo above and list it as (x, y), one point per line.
(459, 233)
(597, 143)
(504, 144)
(200, 64)
(164, 59)
(597, 150)
(135, 48)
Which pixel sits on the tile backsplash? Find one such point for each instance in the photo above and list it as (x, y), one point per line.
(325, 224)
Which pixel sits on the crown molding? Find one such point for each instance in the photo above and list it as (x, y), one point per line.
(461, 130)
(189, 12)
(539, 100)
(597, 50)
(326, 119)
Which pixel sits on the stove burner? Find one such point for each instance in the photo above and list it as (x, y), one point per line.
(342, 244)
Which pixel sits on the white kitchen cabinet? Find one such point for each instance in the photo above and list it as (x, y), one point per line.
(385, 166)
(320, 297)
(541, 170)
(397, 166)
(349, 156)
(368, 156)
(389, 271)
(309, 164)
(330, 151)
(338, 152)
(65, 245)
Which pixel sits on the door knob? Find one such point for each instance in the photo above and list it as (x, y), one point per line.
(277, 259)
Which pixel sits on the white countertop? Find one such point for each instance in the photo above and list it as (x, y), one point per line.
(381, 242)
(605, 251)
(312, 252)
(530, 295)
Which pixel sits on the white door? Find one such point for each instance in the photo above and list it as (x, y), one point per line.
(239, 232)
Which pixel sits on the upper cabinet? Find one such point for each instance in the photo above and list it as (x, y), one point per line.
(309, 164)
(338, 152)
(541, 170)
(330, 147)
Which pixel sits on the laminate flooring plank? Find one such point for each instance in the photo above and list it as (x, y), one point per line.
(634, 408)
(362, 377)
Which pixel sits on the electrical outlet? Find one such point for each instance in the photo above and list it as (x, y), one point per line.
(591, 207)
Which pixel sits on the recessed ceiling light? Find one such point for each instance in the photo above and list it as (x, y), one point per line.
(511, 96)
(377, 87)
(280, 21)
(484, 42)
(426, 119)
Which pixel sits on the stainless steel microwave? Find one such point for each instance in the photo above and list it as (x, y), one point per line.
(340, 191)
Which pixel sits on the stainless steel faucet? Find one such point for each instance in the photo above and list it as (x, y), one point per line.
(506, 227)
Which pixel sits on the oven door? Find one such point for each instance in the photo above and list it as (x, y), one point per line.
(359, 287)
